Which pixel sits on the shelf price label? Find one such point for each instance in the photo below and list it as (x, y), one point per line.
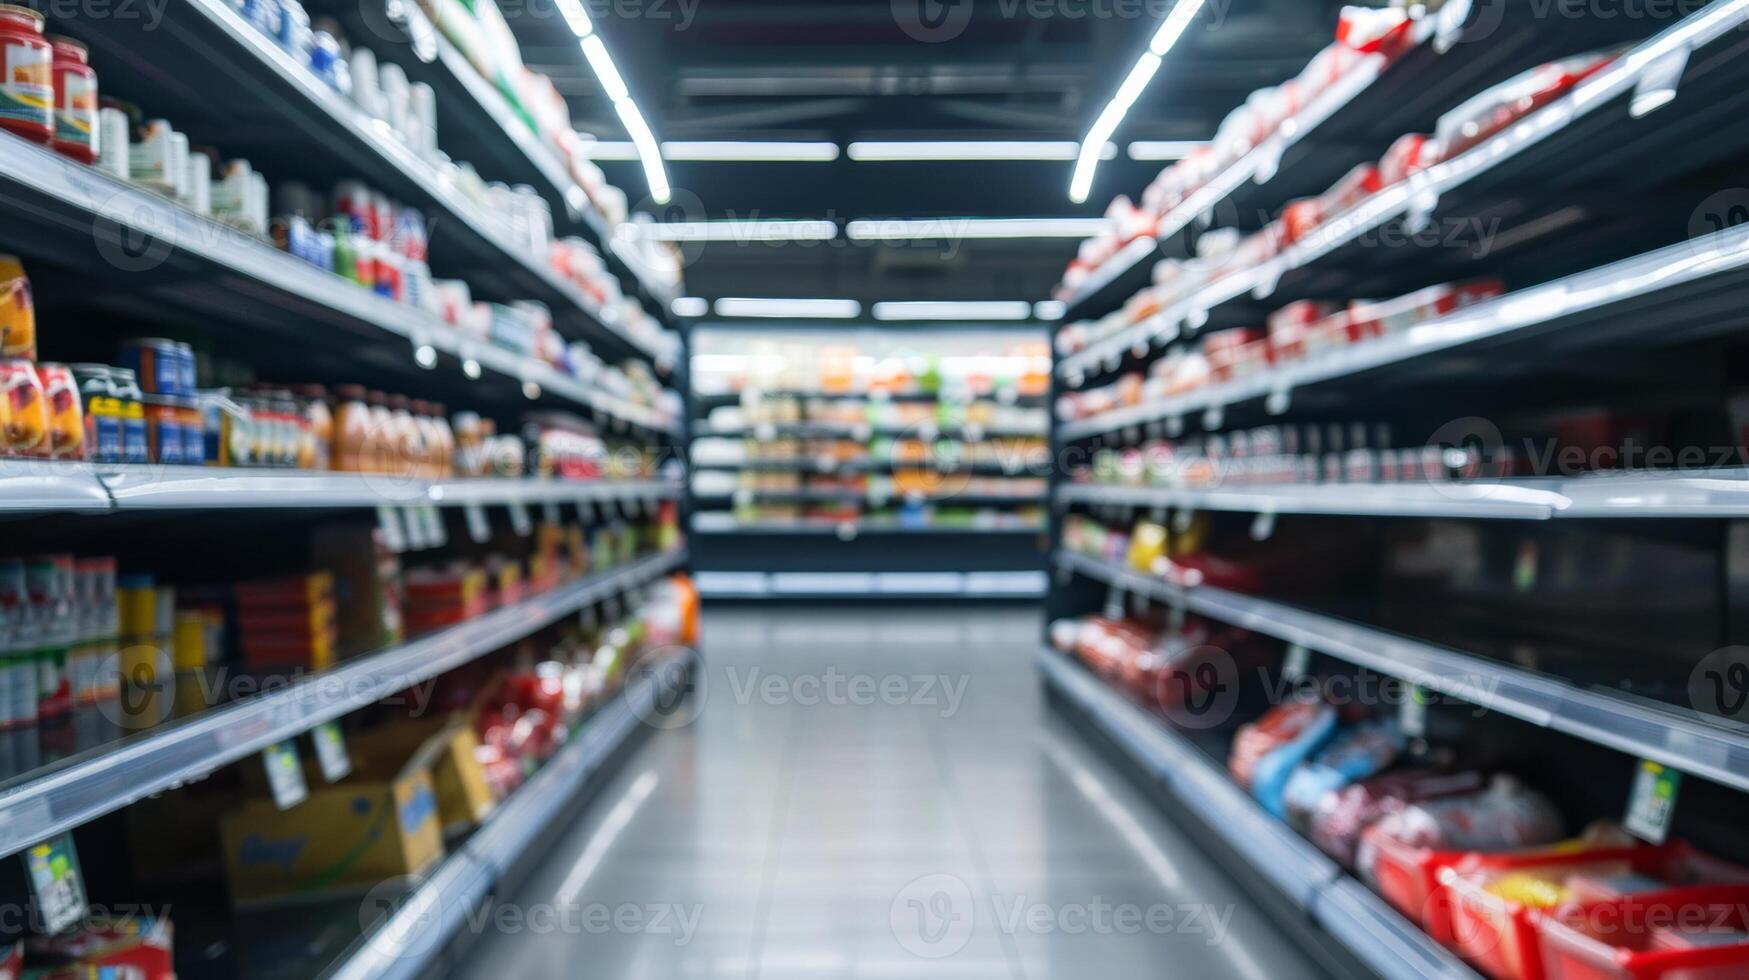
(56, 883)
(285, 774)
(479, 528)
(435, 530)
(1652, 804)
(1412, 716)
(413, 526)
(550, 512)
(389, 523)
(520, 522)
(1114, 602)
(331, 754)
(1295, 664)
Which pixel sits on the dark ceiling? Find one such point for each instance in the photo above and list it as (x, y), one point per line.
(869, 69)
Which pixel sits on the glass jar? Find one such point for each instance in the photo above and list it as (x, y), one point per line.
(76, 130)
(27, 75)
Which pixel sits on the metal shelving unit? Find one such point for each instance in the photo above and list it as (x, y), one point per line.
(1715, 750)
(1716, 494)
(109, 778)
(406, 944)
(1375, 933)
(1569, 135)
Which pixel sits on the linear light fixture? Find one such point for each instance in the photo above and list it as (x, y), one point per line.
(768, 230)
(720, 151)
(1154, 150)
(690, 307)
(1049, 309)
(891, 151)
(800, 309)
(939, 229)
(954, 310)
(1092, 147)
(613, 85)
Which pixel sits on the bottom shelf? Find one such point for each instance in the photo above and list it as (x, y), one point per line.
(407, 942)
(1381, 939)
(871, 585)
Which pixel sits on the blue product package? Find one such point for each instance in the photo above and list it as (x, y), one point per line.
(1269, 779)
(1354, 754)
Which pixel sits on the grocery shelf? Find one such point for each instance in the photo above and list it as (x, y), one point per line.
(704, 523)
(73, 209)
(987, 466)
(1372, 931)
(1707, 493)
(1581, 131)
(1687, 741)
(405, 945)
(1115, 281)
(1685, 282)
(49, 486)
(89, 785)
(882, 585)
(233, 71)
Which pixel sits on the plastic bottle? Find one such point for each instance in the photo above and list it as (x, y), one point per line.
(351, 431)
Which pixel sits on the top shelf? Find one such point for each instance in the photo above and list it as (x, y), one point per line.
(1452, 55)
(229, 72)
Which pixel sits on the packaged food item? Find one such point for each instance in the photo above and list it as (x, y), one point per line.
(77, 133)
(53, 588)
(27, 80)
(1299, 726)
(1341, 817)
(1403, 855)
(133, 947)
(17, 311)
(1290, 326)
(65, 414)
(165, 440)
(1354, 754)
(1235, 353)
(1409, 155)
(135, 446)
(26, 415)
(1683, 934)
(113, 150)
(1496, 108)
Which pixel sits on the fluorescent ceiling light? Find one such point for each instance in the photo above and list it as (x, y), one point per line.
(1050, 309)
(808, 309)
(690, 306)
(939, 229)
(774, 230)
(751, 151)
(601, 63)
(1092, 146)
(654, 174)
(914, 150)
(576, 17)
(953, 310)
(1164, 149)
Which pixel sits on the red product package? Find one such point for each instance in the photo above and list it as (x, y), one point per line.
(1410, 154)
(1355, 186)
(1338, 820)
(1498, 107)
(1281, 725)
(137, 948)
(1235, 353)
(1368, 30)
(1289, 325)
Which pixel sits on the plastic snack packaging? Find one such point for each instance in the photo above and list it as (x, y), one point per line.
(17, 311)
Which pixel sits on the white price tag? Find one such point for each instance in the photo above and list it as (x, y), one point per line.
(1412, 716)
(436, 531)
(331, 753)
(479, 528)
(586, 513)
(1652, 804)
(1114, 602)
(1213, 417)
(413, 525)
(57, 884)
(1295, 663)
(550, 512)
(285, 774)
(1277, 402)
(520, 522)
(389, 523)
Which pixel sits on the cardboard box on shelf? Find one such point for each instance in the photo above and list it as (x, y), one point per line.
(376, 825)
(464, 800)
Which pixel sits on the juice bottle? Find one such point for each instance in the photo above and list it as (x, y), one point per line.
(352, 422)
(321, 422)
(17, 308)
(445, 441)
(382, 448)
(406, 442)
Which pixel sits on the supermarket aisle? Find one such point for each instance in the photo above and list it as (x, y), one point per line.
(877, 793)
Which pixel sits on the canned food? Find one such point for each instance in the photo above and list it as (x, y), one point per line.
(193, 433)
(27, 418)
(163, 429)
(103, 412)
(76, 128)
(65, 415)
(27, 75)
(156, 363)
(135, 448)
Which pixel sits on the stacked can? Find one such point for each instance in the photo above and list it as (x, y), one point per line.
(146, 611)
(175, 428)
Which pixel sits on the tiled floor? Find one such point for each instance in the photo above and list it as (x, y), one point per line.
(877, 793)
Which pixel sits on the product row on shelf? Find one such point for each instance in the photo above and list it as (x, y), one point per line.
(876, 365)
(1322, 398)
(465, 765)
